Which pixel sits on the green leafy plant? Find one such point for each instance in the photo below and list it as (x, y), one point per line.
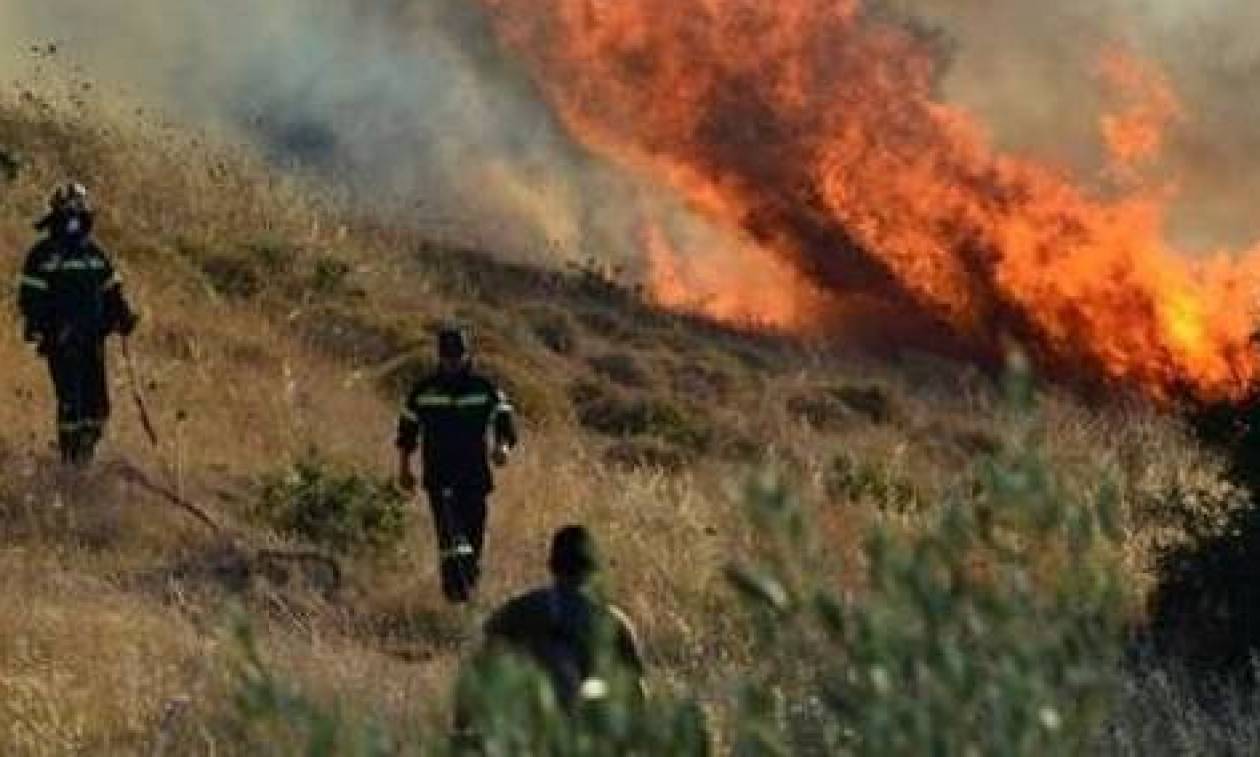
(346, 512)
(856, 480)
(992, 629)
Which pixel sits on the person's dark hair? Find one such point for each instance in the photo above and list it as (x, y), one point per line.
(452, 342)
(573, 554)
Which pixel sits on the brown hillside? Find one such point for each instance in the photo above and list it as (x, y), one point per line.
(274, 325)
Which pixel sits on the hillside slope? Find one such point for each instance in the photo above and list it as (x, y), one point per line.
(277, 329)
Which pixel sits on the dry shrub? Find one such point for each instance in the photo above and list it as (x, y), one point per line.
(554, 328)
(621, 414)
(621, 368)
(836, 408)
(538, 398)
(636, 454)
(701, 379)
(231, 276)
(609, 325)
(347, 336)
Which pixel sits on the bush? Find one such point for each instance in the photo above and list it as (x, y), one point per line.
(231, 276)
(555, 329)
(620, 368)
(622, 415)
(329, 277)
(1207, 605)
(993, 630)
(860, 481)
(836, 408)
(10, 165)
(345, 512)
(1206, 608)
(609, 325)
(273, 254)
(700, 381)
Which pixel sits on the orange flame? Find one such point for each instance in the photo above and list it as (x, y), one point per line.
(1136, 135)
(737, 284)
(814, 128)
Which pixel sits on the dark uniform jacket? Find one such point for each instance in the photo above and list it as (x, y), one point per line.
(574, 638)
(451, 415)
(70, 293)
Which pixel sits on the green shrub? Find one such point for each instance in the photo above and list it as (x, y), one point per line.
(346, 512)
(861, 481)
(994, 629)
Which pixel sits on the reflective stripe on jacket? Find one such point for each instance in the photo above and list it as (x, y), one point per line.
(449, 416)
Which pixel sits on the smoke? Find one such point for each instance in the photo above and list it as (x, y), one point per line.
(414, 105)
(409, 104)
(1028, 69)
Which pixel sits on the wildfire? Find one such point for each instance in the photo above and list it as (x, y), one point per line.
(814, 128)
(736, 284)
(1135, 135)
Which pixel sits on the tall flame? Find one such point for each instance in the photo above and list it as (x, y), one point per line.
(815, 128)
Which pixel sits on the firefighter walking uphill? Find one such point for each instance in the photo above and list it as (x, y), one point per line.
(71, 299)
(449, 416)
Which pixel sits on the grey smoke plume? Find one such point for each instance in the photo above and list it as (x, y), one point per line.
(409, 102)
(413, 104)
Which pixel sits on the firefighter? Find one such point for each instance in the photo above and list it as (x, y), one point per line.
(71, 299)
(449, 415)
(586, 646)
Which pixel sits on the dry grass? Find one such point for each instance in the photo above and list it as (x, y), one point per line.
(101, 631)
